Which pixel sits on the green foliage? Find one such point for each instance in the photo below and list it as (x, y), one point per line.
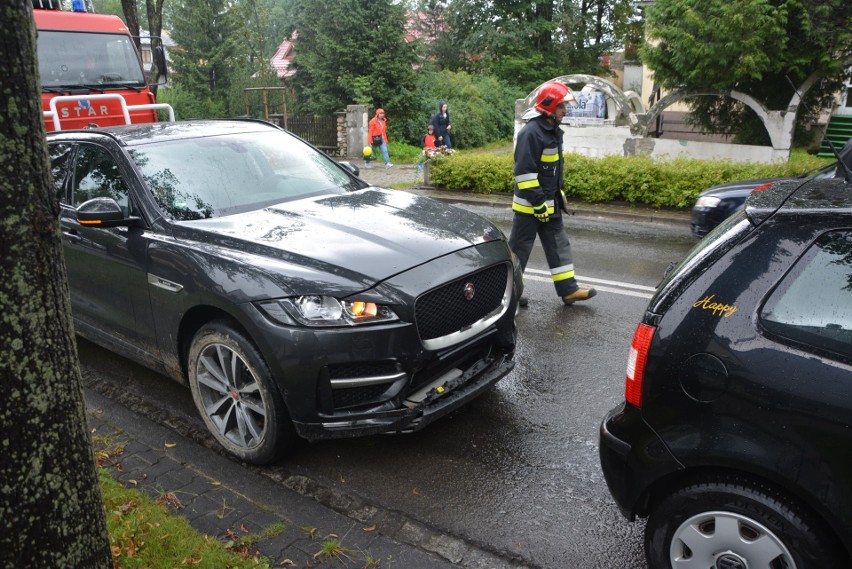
(635, 179)
(711, 44)
(188, 105)
(766, 49)
(205, 32)
(351, 50)
(403, 153)
(481, 108)
(478, 173)
(524, 43)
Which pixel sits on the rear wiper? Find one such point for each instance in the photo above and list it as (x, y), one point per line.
(845, 152)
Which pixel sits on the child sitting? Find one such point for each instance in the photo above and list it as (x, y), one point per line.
(428, 143)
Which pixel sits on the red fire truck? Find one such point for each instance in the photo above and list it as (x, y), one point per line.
(91, 72)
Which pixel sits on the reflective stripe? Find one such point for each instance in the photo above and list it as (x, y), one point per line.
(526, 177)
(550, 155)
(562, 273)
(528, 185)
(563, 276)
(523, 206)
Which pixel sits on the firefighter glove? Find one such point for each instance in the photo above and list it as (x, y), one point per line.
(541, 214)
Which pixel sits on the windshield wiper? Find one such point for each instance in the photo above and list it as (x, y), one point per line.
(119, 85)
(82, 88)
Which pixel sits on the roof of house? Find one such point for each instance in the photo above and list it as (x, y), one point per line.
(284, 56)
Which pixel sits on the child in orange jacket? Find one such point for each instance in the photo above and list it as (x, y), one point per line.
(428, 144)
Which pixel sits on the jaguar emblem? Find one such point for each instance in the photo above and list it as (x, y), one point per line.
(469, 291)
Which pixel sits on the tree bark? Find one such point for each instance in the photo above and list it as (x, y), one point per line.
(50, 501)
(154, 9)
(132, 20)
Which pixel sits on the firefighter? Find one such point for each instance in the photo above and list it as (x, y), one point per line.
(539, 200)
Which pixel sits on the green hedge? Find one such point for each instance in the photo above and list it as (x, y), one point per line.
(634, 179)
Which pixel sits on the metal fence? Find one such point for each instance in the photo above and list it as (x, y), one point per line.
(319, 131)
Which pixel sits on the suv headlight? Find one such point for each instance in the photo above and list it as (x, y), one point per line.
(707, 201)
(318, 311)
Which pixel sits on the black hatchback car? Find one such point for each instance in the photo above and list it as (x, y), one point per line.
(293, 298)
(735, 436)
(714, 205)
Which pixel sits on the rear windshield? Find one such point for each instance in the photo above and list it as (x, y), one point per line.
(812, 304)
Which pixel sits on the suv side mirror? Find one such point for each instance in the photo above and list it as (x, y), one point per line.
(159, 55)
(351, 167)
(104, 212)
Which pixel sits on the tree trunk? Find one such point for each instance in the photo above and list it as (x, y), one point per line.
(154, 10)
(132, 20)
(50, 501)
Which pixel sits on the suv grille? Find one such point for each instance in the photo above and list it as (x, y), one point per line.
(446, 309)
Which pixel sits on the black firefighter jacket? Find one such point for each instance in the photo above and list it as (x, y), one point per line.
(538, 167)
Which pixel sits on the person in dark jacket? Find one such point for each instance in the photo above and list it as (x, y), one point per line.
(441, 122)
(539, 199)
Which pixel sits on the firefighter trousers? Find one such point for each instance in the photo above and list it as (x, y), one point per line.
(554, 240)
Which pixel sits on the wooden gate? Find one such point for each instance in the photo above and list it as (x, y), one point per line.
(319, 131)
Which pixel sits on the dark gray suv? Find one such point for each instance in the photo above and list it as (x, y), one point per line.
(294, 299)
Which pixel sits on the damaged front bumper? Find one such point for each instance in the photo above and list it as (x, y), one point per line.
(416, 410)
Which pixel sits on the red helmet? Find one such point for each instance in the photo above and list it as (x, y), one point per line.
(551, 95)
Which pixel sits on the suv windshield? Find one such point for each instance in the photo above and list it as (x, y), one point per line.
(215, 176)
(69, 59)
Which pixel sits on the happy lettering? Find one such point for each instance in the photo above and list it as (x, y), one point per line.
(719, 309)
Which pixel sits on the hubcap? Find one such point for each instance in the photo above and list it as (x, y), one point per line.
(730, 561)
(725, 540)
(231, 396)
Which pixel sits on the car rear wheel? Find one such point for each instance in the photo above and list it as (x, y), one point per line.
(234, 392)
(732, 523)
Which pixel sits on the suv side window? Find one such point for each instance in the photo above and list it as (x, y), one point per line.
(96, 175)
(60, 163)
(813, 303)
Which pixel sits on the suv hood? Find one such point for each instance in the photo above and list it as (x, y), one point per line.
(379, 233)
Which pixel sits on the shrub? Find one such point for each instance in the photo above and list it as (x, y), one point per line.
(478, 173)
(403, 153)
(188, 105)
(635, 179)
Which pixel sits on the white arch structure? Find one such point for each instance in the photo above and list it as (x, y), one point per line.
(626, 108)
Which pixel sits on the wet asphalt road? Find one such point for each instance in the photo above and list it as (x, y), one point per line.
(516, 471)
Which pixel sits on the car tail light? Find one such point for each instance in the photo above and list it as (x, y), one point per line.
(636, 361)
(762, 187)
